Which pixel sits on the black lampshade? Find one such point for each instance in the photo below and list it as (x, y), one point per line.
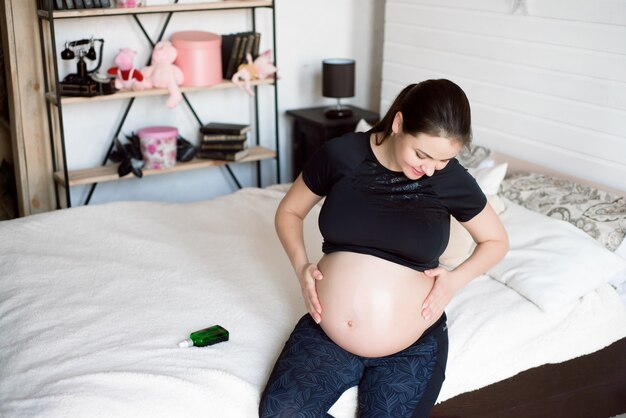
(338, 82)
(338, 78)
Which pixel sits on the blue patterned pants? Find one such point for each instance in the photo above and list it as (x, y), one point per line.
(312, 372)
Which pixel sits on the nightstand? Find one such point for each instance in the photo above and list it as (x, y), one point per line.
(311, 129)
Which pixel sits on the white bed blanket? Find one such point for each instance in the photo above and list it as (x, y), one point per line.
(93, 301)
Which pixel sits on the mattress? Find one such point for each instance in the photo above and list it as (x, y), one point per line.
(93, 301)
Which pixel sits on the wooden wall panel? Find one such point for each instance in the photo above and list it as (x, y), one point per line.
(30, 144)
(546, 88)
(496, 20)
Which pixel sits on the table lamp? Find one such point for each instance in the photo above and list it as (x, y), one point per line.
(338, 82)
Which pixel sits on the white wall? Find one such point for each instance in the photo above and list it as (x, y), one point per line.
(307, 32)
(547, 80)
(313, 31)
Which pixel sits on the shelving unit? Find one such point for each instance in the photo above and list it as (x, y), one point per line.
(109, 172)
(165, 8)
(65, 178)
(126, 94)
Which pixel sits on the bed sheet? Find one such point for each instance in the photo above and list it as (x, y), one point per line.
(619, 281)
(93, 301)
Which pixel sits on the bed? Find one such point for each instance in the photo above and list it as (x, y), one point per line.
(93, 301)
(591, 385)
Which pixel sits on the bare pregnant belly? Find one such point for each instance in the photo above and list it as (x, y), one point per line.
(371, 307)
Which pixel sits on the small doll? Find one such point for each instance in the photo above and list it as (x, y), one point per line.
(129, 3)
(125, 72)
(259, 69)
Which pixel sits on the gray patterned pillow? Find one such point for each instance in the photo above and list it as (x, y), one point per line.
(472, 156)
(600, 214)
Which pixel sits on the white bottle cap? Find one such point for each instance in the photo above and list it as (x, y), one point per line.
(185, 343)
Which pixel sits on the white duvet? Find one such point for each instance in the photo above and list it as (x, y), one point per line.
(94, 300)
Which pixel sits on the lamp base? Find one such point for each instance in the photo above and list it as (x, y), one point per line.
(337, 112)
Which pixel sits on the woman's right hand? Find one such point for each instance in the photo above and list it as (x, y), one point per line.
(307, 277)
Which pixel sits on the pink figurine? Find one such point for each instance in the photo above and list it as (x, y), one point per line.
(129, 3)
(125, 72)
(260, 69)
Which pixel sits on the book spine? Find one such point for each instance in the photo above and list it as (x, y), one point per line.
(230, 49)
(249, 47)
(217, 128)
(257, 43)
(229, 132)
(222, 147)
(218, 155)
(223, 137)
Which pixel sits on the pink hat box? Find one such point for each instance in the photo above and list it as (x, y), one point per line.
(158, 146)
(199, 57)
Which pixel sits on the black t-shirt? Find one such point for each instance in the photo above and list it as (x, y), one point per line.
(372, 210)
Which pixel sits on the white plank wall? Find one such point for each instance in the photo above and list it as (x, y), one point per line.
(547, 80)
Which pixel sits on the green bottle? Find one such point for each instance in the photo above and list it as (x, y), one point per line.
(208, 336)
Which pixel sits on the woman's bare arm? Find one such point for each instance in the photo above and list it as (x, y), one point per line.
(492, 243)
(289, 219)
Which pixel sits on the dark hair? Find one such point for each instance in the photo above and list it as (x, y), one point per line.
(434, 107)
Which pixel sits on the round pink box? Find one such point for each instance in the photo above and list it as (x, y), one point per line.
(158, 146)
(199, 57)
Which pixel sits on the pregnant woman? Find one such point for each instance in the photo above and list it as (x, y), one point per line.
(376, 299)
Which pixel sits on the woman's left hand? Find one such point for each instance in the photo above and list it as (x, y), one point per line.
(440, 295)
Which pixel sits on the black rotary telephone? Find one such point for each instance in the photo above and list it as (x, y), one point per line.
(85, 82)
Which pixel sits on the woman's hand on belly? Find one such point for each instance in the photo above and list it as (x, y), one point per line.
(440, 295)
(308, 277)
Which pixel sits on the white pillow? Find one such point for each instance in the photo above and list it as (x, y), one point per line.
(551, 262)
(362, 126)
(489, 178)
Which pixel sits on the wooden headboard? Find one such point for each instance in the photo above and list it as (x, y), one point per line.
(517, 165)
(546, 80)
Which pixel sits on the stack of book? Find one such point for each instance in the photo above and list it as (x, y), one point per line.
(235, 47)
(223, 141)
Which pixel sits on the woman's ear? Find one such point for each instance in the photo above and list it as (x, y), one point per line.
(396, 126)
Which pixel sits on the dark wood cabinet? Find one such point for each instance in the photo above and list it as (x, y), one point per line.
(311, 129)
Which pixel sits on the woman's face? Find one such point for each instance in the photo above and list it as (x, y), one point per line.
(423, 154)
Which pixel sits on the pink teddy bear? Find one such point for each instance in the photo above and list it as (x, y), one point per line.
(162, 73)
(260, 69)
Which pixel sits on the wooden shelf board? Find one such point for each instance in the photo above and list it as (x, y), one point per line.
(127, 94)
(109, 172)
(165, 8)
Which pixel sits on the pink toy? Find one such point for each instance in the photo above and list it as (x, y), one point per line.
(163, 73)
(129, 3)
(260, 69)
(125, 72)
